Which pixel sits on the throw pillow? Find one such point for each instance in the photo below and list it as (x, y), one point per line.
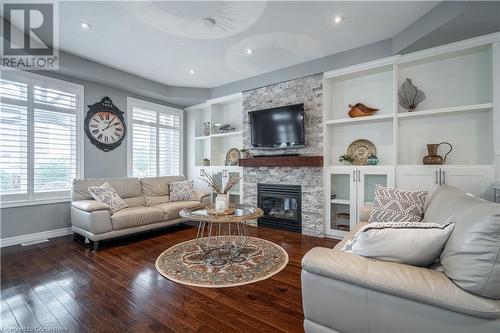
(412, 243)
(108, 196)
(181, 191)
(396, 205)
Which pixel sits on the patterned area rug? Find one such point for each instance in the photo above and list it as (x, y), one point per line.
(186, 263)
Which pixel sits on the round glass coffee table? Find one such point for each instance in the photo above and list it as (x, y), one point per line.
(222, 237)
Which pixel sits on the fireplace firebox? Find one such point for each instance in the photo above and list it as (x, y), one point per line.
(282, 206)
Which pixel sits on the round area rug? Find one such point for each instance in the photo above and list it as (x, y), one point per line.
(186, 263)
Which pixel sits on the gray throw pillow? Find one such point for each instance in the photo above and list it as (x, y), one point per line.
(396, 205)
(181, 191)
(108, 196)
(411, 243)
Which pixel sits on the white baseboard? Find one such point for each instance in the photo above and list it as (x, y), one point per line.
(9, 241)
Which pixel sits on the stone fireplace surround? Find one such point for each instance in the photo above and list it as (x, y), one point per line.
(307, 90)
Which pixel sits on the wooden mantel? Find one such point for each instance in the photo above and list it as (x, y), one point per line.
(282, 161)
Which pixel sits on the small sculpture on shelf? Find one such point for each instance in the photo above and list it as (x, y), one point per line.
(346, 159)
(360, 110)
(433, 158)
(206, 162)
(224, 128)
(410, 96)
(206, 128)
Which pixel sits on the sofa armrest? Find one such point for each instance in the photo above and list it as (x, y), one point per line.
(94, 222)
(415, 283)
(90, 206)
(199, 196)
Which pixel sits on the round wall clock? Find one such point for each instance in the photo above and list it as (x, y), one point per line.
(104, 125)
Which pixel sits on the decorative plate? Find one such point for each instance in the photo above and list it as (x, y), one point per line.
(232, 156)
(360, 150)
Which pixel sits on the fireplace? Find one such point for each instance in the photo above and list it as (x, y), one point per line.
(281, 205)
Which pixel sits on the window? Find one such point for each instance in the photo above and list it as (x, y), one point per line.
(155, 139)
(39, 137)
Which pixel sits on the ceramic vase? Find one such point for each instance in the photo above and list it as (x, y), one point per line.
(221, 202)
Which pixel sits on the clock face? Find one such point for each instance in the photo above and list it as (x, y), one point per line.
(106, 127)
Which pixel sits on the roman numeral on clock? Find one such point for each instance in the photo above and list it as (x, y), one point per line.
(99, 137)
(95, 131)
(101, 116)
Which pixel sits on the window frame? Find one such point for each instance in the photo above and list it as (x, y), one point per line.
(31, 198)
(159, 108)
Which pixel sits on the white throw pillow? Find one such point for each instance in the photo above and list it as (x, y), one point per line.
(182, 191)
(108, 196)
(412, 243)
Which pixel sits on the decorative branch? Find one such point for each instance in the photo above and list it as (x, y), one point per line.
(210, 180)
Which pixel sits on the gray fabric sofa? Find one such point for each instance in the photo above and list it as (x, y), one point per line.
(148, 207)
(344, 292)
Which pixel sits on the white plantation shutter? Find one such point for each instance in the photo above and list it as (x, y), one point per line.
(155, 146)
(14, 138)
(39, 132)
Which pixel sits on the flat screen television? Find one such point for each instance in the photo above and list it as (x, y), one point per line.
(281, 127)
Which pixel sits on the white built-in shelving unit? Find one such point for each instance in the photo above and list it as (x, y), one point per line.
(461, 83)
(225, 110)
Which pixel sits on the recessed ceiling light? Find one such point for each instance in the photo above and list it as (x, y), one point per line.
(192, 71)
(85, 25)
(337, 19)
(249, 51)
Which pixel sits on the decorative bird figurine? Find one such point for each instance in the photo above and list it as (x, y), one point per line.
(360, 110)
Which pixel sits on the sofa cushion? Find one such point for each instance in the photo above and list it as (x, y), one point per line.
(415, 283)
(172, 209)
(125, 187)
(156, 200)
(136, 216)
(396, 205)
(445, 204)
(412, 243)
(471, 257)
(106, 194)
(135, 201)
(158, 186)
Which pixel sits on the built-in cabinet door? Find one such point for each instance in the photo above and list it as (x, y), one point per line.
(235, 194)
(343, 212)
(199, 184)
(470, 179)
(367, 179)
(418, 178)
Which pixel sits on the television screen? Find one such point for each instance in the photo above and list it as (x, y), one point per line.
(281, 127)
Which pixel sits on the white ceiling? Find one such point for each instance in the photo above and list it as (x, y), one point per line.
(162, 41)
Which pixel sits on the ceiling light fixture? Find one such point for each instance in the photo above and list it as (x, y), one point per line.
(249, 51)
(85, 25)
(192, 71)
(337, 19)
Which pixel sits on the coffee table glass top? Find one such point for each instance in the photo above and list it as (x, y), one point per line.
(242, 212)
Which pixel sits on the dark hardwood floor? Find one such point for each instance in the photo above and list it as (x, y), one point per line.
(61, 286)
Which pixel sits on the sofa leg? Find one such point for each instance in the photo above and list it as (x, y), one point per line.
(95, 245)
(75, 237)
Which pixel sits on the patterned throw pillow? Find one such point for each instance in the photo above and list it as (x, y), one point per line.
(108, 196)
(395, 205)
(181, 191)
(412, 243)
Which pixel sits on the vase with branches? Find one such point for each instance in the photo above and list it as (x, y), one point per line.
(222, 199)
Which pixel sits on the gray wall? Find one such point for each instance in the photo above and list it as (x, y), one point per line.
(17, 221)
